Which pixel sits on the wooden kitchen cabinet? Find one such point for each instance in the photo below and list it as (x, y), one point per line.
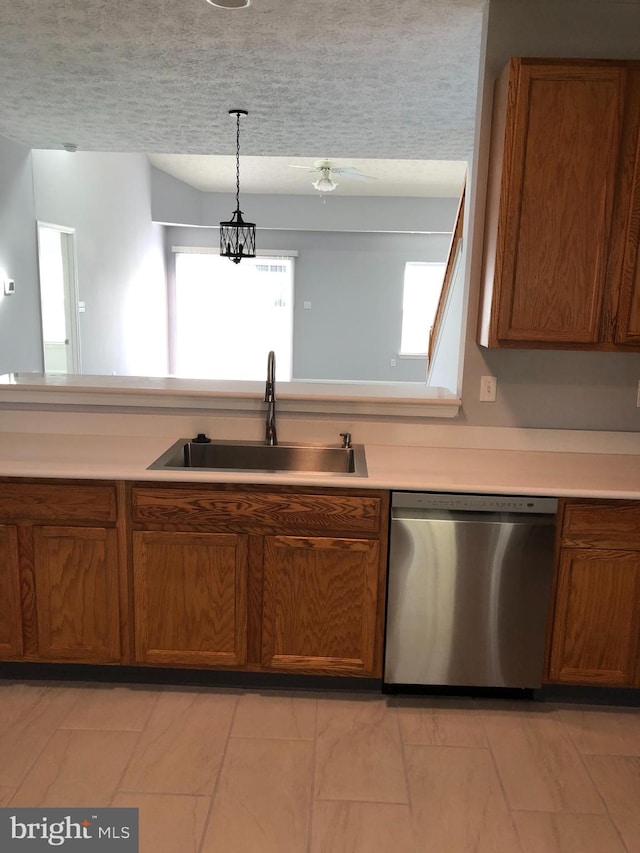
(321, 598)
(190, 598)
(563, 207)
(595, 636)
(259, 578)
(76, 594)
(10, 608)
(60, 585)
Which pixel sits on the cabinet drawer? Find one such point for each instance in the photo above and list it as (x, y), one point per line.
(259, 511)
(609, 524)
(57, 502)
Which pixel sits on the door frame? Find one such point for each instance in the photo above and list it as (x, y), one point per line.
(70, 276)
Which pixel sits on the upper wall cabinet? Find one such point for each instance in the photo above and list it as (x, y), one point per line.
(563, 207)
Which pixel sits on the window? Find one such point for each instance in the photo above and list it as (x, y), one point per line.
(422, 286)
(226, 317)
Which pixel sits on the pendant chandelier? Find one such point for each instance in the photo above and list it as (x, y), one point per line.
(237, 237)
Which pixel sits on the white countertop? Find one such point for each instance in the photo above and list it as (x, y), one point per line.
(555, 473)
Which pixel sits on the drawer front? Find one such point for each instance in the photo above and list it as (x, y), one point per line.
(57, 502)
(610, 524)
(259, 511)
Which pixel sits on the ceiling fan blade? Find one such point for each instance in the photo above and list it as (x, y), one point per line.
(352, 172)
(306, 168)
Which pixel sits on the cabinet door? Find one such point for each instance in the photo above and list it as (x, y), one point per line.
(320, 602)
(190, 593)
(628, 319)
(76, 583)
(553, 213)
(10, 610)
(596, 624)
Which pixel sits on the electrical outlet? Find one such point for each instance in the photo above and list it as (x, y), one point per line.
(488, 389)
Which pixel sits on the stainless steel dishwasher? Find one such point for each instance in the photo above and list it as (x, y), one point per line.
(469, 580)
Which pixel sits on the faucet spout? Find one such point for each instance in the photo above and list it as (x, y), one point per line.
(270, 435)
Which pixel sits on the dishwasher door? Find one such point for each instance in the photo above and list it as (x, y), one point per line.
(469, 581)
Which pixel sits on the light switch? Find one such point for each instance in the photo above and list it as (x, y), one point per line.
(9, 286)
(488, 388)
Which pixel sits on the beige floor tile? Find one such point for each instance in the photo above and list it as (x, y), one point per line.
(106, 707)
(358, 752)
(275, 715)
(167, 823)
(457, 801)
(618, 780)
(77, 768)
(539, 766)
(181, 748)
(263, 796)
(441, 722)
(343, 827)
(29, 716)
(543, 832)
(603, 731)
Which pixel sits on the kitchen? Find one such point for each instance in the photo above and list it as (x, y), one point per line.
(572, 397)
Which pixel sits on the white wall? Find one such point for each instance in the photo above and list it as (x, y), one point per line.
(20, 330)
(121, 279)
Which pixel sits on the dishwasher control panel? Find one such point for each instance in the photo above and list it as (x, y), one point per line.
(474, 503)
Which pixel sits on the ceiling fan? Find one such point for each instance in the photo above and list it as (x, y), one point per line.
(326, 172)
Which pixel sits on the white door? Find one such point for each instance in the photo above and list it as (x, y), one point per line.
(58, 299)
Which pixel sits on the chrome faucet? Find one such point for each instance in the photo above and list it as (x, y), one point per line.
(270, 435)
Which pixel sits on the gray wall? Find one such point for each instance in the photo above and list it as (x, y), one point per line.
(120, 254)
(354, 283)
(173, 202)
(20, 330)
(575, 390)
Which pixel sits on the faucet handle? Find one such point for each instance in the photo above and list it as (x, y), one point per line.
(346, 439)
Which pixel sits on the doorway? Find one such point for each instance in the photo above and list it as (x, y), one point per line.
(58, 299)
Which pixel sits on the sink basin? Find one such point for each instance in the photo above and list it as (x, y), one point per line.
(255, 456)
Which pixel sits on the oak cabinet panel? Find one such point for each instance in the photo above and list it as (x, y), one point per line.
(260, 578)
(10, 607)
(561, 241)
(627, 327)
(60, 584)
(76, 588)
(595, 629)
(320, 604)
(190, 595)
(53, 502)
(255, 511)
(596, 625)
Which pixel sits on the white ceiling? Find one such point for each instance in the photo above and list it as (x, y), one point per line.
(359, 82)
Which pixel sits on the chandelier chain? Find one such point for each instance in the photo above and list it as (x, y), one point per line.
(238, 161)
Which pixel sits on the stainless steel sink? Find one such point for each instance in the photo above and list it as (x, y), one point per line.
(255, 456)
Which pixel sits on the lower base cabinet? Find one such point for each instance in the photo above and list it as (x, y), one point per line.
(10, 607)
(595, 630)
(60, 582)
(190, 598)
(76, 594)
(261, 580)
(321, 598)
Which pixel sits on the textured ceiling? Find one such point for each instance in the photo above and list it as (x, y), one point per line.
(364, 79)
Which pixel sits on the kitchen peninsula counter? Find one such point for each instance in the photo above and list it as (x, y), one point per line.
(395, 467)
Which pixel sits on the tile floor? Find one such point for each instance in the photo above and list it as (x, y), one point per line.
(241, 771)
